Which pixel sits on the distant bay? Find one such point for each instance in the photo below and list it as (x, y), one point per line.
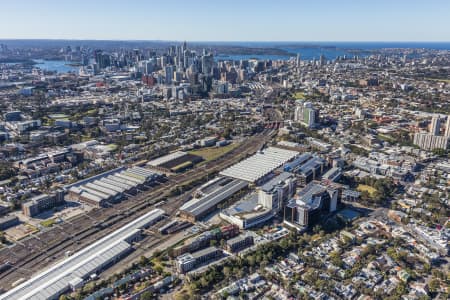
(331, 50)
(59, 66)
(307, 51)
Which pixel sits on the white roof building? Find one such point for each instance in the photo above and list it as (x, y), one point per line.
(50, 283)
(259, 165)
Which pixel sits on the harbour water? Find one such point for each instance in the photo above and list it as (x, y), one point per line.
(331, 50)
(59, 66)
(307, 51)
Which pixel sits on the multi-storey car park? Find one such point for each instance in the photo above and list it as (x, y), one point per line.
(72, 272)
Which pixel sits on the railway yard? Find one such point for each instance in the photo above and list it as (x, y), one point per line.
(26, 257)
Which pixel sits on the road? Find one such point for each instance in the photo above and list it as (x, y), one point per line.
(39, 251)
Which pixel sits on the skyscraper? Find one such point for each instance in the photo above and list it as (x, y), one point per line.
(207, 64)
(306, 114)
(169, 74)
(435, 125)
(323, 60)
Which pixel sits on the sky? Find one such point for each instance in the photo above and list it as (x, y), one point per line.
(227, 20)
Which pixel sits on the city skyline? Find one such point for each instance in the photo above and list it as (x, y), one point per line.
(201, 149)
(402, 21)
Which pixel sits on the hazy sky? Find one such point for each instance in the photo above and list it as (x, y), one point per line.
(227, 20)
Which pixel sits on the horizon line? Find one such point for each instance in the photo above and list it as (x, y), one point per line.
(224, 41)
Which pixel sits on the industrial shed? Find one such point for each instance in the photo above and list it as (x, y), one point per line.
(199, 207)
(110, 187)
(74, 270)
(255, 168)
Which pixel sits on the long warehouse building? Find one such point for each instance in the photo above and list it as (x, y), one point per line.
(111, 186)
(72, 272)
(200, 207)
(255, 168)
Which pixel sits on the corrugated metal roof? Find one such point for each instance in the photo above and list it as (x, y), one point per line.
(259, 165)
(197, 207)
(166, 158)
(56, 279)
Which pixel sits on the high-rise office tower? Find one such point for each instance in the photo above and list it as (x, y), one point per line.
(207, 64)
(163, 61)
(435, 125)
(169, 74)
(150, 66)
(323, 60)
(172, 50)
(306, 114)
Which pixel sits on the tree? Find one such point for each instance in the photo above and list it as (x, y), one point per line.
(392, 253)
(147, 295)
(437, 273)
(157, 253)
(204, 283)
(284, 244)
(316, 229)
(226, 271)
(89, 288)
(336, 259)
(183, 295)
(400, 290)
(193, 287)
(369, 249)
(2, 237)
(6, 170)
(434, 285)
(143, 261)
(77, 296)
(251, 260)
(159, 269)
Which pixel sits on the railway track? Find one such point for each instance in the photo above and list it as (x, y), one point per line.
(109, 219)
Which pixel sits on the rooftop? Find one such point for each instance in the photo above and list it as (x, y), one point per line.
(268, 186)
(53, 281)
(203, 252)
(259, 165)
(198, 206)
(166, 158)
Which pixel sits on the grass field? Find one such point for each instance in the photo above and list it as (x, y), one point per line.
(212, 153)
(299, 95)
(387, 138)
(367, 188)
(48, 223)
